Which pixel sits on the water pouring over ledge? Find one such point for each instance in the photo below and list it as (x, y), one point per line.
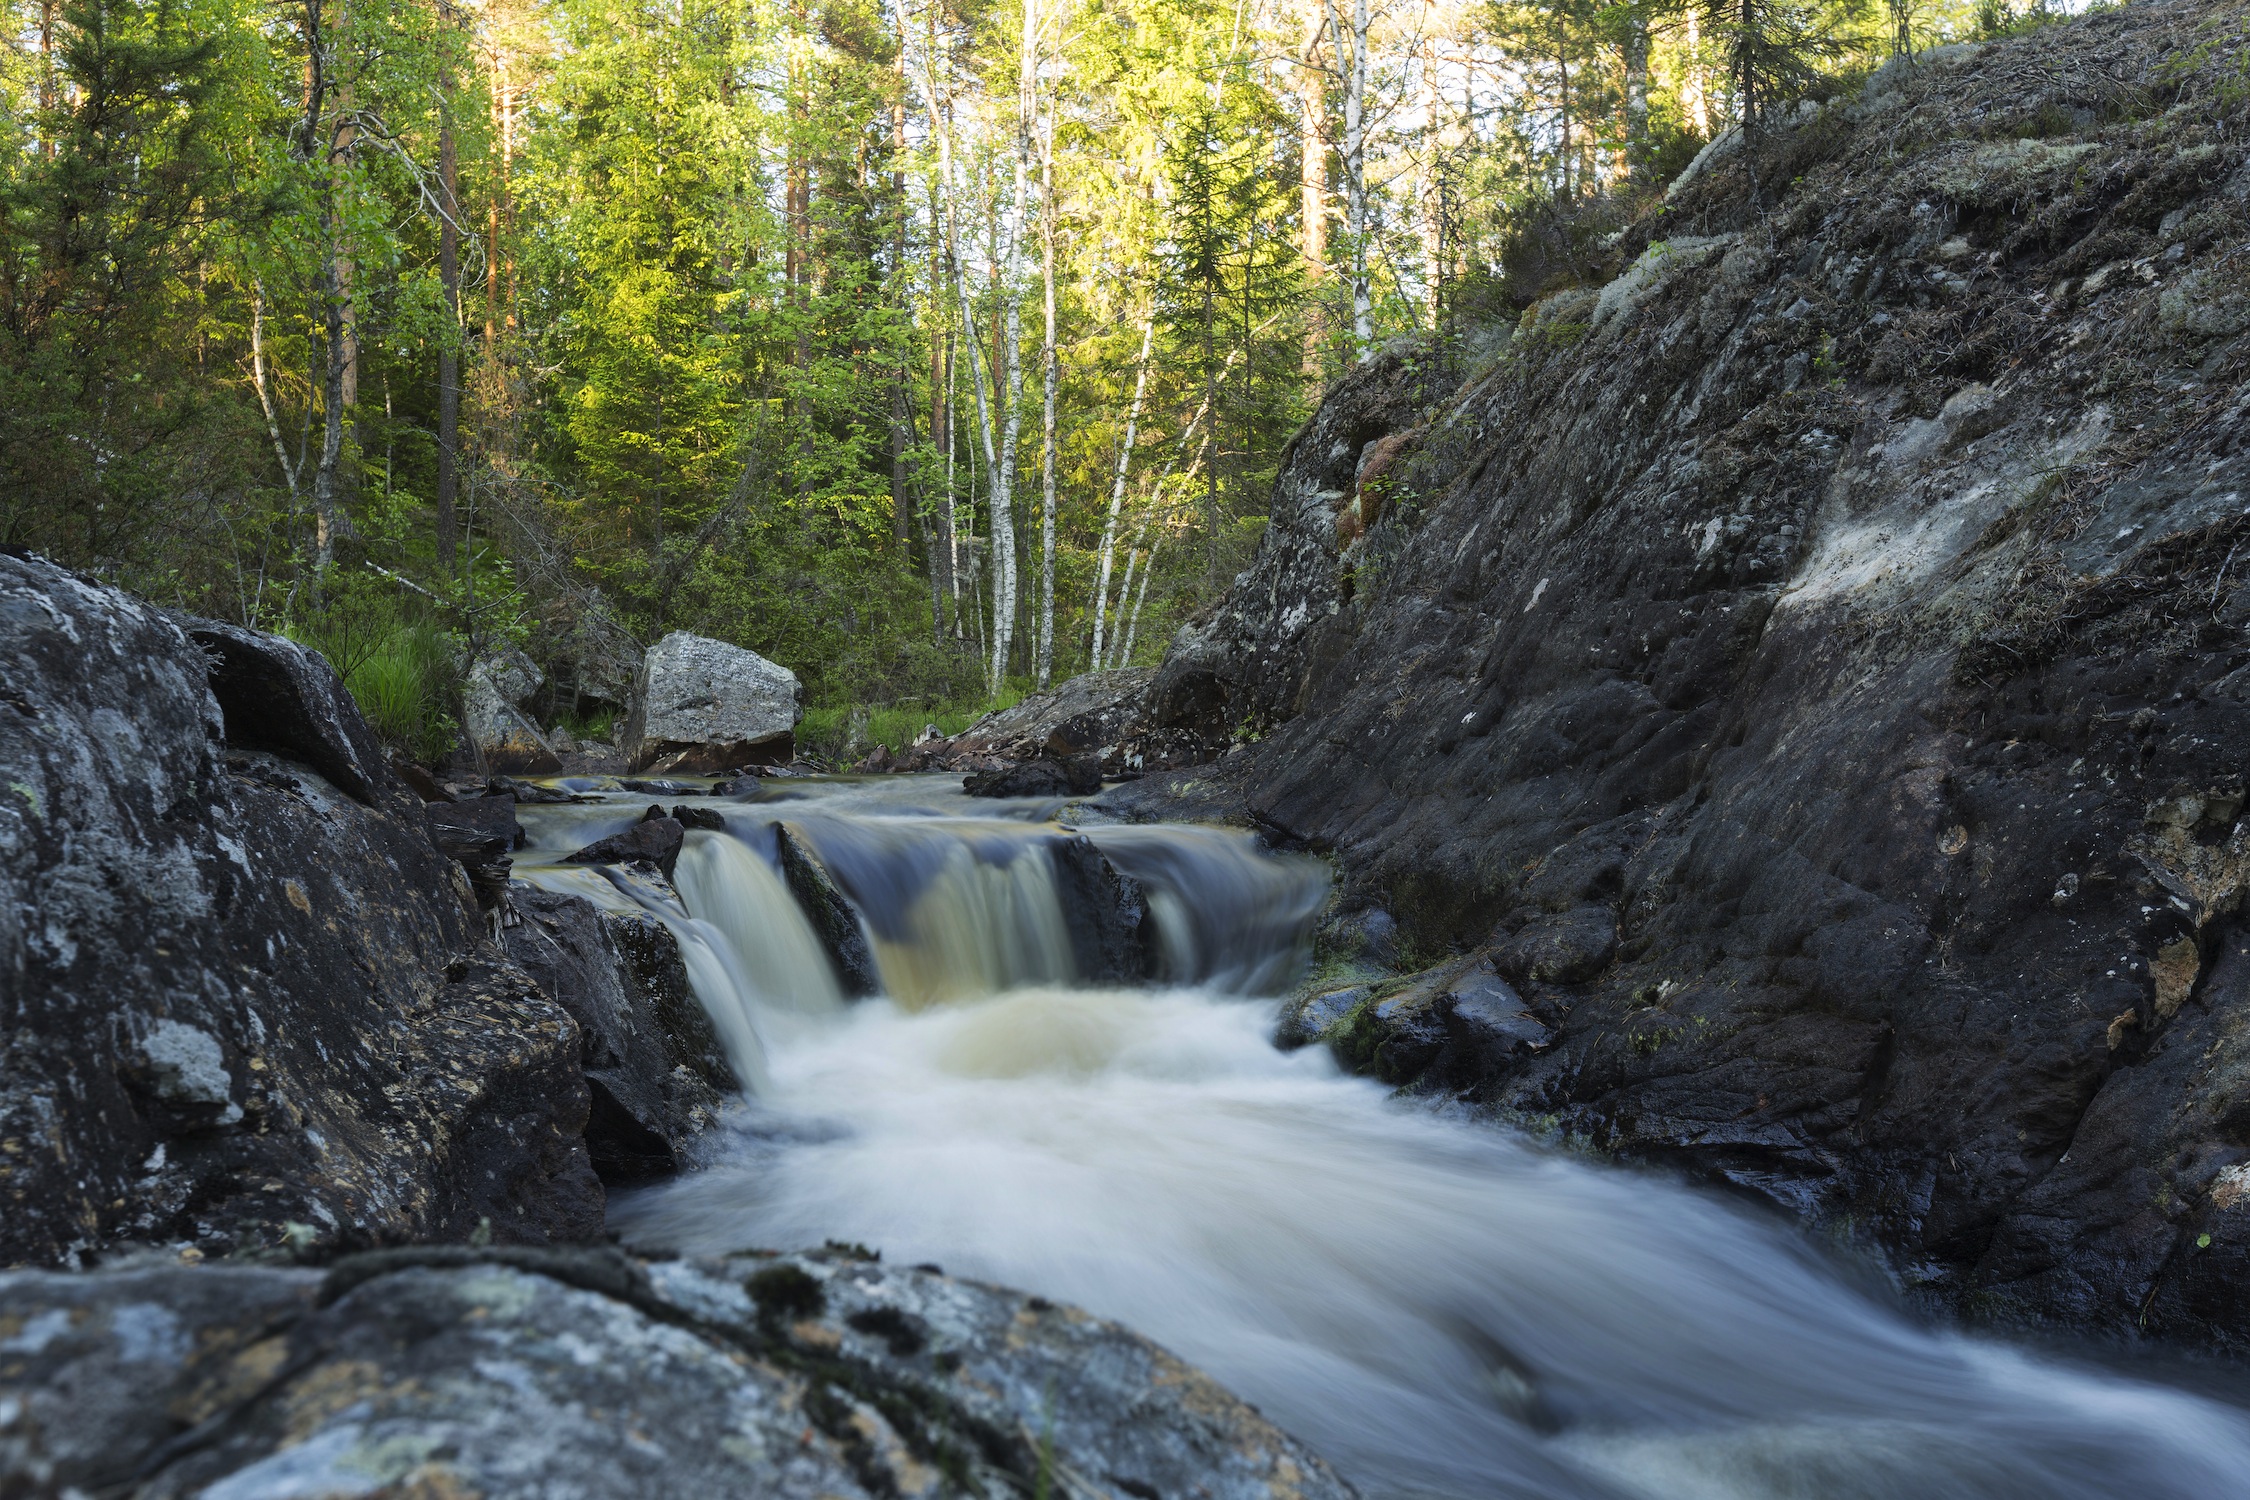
(1442, 1308)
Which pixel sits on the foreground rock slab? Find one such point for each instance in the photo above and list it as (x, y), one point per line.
(702, 706)
(450, 1371)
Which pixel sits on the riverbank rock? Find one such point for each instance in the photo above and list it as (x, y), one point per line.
(702, 706)
(493, 717)
(1794, 663)
(1086, 714)
(243, 997)
(653, 1066)
(442, 1371)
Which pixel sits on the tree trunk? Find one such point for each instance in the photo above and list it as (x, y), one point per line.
(1117, 491)
(1002, 504)
(1046, 661)
(449, 281)
(1636, 93)
(1355, 173)
(1312, 148)
(1433, 154)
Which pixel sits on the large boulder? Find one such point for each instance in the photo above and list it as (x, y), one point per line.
(492, 711)
(450, 1371)
(702, 706)
(243, 998)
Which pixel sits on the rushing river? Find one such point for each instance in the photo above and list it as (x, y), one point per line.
(1439, 1307)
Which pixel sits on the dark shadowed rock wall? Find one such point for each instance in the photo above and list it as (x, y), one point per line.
(243, 999)
(1813, 670)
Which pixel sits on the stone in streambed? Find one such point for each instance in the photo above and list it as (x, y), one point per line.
(505, 737)
(1106, 913)
(701, 707)
(1080, 776)
(655, 840)
(1311, 1017)
(835, 920)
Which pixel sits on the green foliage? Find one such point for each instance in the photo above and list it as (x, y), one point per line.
(840, 729)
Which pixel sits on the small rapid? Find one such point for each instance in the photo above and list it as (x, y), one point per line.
(1439, 1306)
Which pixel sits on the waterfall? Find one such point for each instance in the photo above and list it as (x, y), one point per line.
(1446, 1309)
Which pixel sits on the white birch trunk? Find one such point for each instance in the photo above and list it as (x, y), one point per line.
(1355, 172)
(1053, 379)
(265, 396)
(1117, 495)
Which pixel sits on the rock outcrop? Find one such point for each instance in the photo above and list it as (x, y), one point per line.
(460, 1372)
(1811, 671)
(243, 999)
(702, 706)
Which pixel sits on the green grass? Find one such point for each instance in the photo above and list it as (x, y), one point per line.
(827, 728)
(399, 668)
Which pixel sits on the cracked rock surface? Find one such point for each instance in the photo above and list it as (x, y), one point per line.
(451, 1371)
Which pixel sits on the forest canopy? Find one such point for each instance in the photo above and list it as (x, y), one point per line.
(934, 348)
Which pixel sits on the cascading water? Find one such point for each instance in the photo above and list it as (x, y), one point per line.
(1442, 1308)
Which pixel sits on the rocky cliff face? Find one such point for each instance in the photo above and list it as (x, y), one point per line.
(246, 1002)
(1811, 670)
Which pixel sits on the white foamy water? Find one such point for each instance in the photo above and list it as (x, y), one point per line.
(1438, 1306)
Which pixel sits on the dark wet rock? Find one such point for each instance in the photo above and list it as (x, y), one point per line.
(1315, 1014)
(1368, 935)
(647, 1058)
(478, 833)
(654, 974)
(440, 1371)
(835, 920)
(1820, 772)
(528, 791)
(237, 997)
(1441, 1030)
(1106, 912)
(420, 782)
(1561, 948)
(702, 707)
(699, 817)
(1080, 776)
(876, 762)
(655, 840)
(643, 786)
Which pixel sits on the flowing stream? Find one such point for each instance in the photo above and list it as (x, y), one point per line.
(1442, 1308)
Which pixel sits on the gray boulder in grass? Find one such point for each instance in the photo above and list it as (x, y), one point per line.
(492, 714)
(702, 706)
